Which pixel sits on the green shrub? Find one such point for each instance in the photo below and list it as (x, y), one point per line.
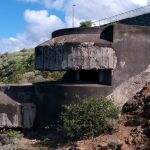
(12, 134)
(85, 24)
(89, 117)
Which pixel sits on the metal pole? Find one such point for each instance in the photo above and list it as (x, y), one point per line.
(73, 15)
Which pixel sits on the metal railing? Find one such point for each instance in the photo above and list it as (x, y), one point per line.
(125, 15)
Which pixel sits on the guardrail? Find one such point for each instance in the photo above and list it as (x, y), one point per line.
(125, 15)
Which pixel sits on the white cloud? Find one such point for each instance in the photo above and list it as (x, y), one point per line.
(40, 24)
(39, 28)
(57, 4)
(140, 2)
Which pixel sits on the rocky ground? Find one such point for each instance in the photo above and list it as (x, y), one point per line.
(133, 133)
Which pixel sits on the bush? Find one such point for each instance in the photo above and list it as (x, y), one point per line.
(89, 117)
(11, 140)
(85, 24)
(12, 134)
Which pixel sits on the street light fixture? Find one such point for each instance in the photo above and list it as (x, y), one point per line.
(73, 14)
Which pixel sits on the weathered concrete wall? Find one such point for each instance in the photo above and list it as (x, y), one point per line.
(16, 106)
(51, 97)
(126, 90)
(29, 115)
(77, 49)
(85, 56)
(10, 115)
(130, 46)
(19, 92)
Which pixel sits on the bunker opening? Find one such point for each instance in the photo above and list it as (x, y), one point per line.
(103, 76)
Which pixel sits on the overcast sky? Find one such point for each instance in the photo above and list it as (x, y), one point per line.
(27, 23)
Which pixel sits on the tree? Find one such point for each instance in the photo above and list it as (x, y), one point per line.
(85, 24)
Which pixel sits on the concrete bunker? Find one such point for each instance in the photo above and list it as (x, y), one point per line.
(98, 61)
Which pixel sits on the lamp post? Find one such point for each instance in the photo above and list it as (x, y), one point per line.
(73, 6)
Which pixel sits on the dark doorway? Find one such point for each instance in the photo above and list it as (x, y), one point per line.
(89, 75)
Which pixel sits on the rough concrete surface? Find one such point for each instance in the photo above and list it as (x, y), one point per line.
(84, 56)
(17, 108)
(130, 87)
(29, 114)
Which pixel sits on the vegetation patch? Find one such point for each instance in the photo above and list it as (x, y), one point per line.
(18, 67)
(89, 117)
(13, 134)
(11, 140)
(86, 24)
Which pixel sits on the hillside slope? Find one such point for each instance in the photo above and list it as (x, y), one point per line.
(18, 67)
